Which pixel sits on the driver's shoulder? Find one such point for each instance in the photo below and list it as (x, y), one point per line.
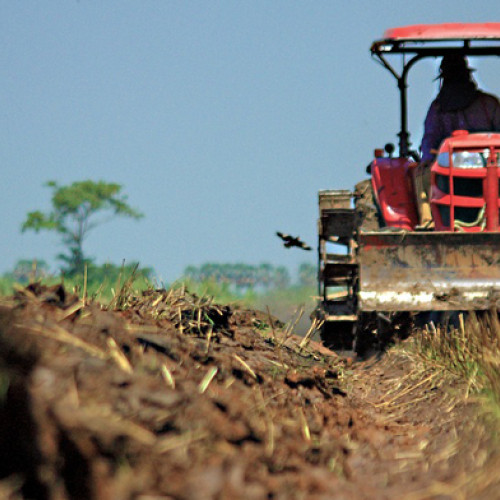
(488, 98)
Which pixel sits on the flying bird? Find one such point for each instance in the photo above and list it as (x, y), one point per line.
(293, 241)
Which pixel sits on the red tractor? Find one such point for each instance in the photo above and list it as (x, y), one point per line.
(377, 270)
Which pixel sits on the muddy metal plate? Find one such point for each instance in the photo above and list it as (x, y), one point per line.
(428, 271)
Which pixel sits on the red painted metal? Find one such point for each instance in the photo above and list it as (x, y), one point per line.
(393, 188)
(446, 31)
(448, 201)
(491, 192)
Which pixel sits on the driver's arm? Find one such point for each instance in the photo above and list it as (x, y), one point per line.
(496, 117)
(432, 133)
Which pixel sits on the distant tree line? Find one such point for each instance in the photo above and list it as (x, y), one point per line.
(245, 276)
(26, 271)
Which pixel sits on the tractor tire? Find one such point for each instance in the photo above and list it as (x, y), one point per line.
(338, 336)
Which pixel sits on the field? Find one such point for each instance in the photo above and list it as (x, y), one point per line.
(167, 395)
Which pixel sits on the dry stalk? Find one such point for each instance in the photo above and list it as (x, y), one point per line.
(229, 382)
(155, 302)
(271, 323)
(141, 328)
(97, 294)
(245, 365)
(66, 313)
(462, 324)
(409, 389)
(207, 379)
(117, 355)
(85, 276)
(281, 364)
(209, 338)
(290, 327)
(315, 326)
(181, 328)
(306, 433)
(58, 333)
(199, 319)
(167, 376)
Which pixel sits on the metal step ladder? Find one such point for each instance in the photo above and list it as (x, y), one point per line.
(337, 265)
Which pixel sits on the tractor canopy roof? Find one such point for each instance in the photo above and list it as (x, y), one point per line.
(470, 38)
(421, 41)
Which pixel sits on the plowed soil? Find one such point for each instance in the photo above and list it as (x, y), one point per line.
(168, 396)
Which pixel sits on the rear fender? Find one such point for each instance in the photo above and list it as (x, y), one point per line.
(393, 187)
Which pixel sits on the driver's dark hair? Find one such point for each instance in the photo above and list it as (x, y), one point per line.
(454, 66)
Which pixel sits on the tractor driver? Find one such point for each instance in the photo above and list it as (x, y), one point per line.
(460, 105)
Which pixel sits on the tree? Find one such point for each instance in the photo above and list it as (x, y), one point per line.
(281, 278)
(265, 274)
(308, 275)
(73, 215)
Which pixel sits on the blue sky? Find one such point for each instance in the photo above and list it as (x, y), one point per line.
(220, 119)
